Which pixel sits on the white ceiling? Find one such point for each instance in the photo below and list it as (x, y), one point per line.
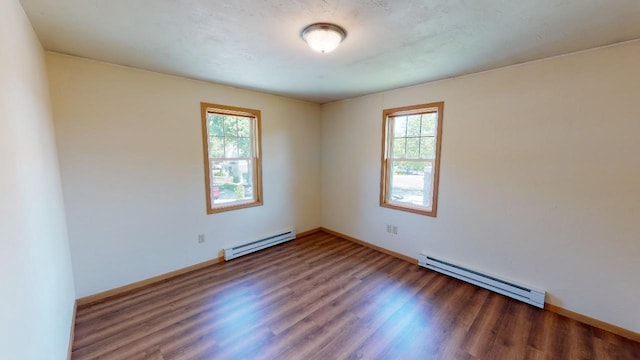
(256, 44)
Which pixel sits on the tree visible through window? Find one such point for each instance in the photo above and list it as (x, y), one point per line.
(232, 157)
(411, 158)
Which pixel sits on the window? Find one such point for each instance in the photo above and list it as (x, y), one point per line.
(231, 141)
(411, 158)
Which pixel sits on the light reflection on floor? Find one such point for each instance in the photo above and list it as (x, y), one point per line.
(410, 319)
(245, 316)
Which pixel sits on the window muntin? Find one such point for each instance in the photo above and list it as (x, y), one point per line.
(231, 142)
(411, 158)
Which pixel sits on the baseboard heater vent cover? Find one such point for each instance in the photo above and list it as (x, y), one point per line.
(519, 292)
(244, 249)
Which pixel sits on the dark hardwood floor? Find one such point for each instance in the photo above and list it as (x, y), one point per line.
(322, 297)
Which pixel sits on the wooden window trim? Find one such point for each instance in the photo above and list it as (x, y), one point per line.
(207, 108)
(386, 171)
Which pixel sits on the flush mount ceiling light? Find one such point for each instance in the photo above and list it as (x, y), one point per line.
(323, 37)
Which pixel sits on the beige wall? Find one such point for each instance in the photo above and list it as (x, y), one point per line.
(130, 145)
(36, 281)
(540, 177)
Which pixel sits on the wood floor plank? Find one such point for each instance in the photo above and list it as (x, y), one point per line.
(322, 297)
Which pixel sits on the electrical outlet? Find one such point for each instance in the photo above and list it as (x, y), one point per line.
(200, 238)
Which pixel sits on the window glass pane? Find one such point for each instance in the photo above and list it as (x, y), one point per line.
(231, 147)
(428, 185)
(215, 124)
(231, 181)
(399, 126)
(429, 124)
(216, 146)
(409, 185)
(413, 148)
(413, 125)
(230, 126)
(428, 147)
(398, 148)
(244, 126)
(244, 147)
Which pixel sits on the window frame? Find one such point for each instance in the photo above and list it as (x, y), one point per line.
(256, 158)
(387, 136)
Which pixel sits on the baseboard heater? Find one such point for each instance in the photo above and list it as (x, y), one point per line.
(244, 249)
(516, 291)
